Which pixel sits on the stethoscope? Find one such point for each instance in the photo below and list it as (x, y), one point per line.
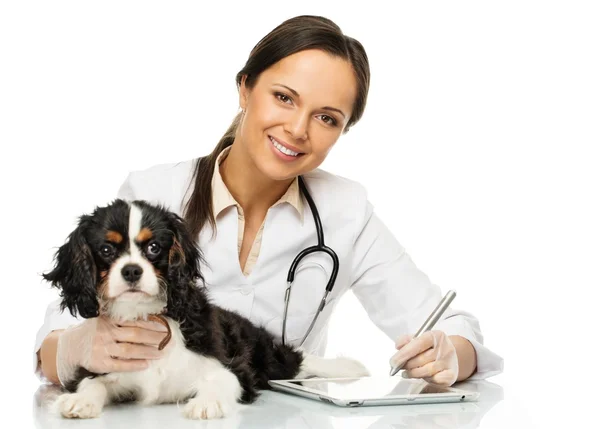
(320, 247)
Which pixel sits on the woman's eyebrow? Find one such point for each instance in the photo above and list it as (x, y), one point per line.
(293, 91)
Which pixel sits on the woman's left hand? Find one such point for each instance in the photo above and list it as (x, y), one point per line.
(431, 357)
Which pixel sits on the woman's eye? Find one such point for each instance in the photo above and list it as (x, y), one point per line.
(153, 249)
(283, 98)
(328, 119)
(106, 250)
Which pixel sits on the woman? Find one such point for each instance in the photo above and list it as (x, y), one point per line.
(303, 85)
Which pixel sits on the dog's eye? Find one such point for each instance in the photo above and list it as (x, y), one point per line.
(153, 249)
(107, 250)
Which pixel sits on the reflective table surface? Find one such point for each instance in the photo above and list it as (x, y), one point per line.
(282, 410)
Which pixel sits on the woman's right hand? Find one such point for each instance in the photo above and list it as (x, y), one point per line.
(101, 345)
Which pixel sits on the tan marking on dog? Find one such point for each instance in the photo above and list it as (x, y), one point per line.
(114, 236)
(103, 284)
(176, 254)
(144, 235)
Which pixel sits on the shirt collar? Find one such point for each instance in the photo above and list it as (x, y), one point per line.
(222, 198)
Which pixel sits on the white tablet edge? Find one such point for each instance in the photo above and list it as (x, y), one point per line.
(456, 395)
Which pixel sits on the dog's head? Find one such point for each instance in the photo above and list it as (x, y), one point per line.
(125, 260)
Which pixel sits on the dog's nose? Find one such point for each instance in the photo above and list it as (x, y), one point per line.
(132, 272)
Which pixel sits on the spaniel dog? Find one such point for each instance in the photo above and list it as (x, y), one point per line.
(137, 261)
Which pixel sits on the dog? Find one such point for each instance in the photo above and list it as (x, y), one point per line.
(132, 260)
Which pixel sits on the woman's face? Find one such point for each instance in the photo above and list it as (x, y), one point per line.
(295, 113)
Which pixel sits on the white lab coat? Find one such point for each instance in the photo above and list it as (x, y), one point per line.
(396, 294)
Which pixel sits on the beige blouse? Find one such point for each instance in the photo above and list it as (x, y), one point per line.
(222, 199)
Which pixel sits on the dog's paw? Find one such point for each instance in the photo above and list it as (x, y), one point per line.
(206, 408)
(349, 367)
(339, 367)
(77, 405)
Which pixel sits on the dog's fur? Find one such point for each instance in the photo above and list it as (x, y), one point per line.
(215, 359)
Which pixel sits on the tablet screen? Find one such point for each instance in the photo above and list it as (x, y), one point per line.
(373, 387)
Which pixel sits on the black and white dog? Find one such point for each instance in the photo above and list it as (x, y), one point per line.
(134, 260)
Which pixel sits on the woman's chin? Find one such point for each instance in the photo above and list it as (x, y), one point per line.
(278, 171)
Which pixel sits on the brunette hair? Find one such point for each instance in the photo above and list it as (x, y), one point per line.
(293, 35)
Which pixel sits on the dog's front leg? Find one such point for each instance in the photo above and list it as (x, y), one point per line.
(216, 396)
(86, 403)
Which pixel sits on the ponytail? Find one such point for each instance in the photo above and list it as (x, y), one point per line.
(199, 207)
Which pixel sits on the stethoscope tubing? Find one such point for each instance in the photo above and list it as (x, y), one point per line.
(320, 247)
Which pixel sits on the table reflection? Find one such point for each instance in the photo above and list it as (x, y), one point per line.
(282, 410)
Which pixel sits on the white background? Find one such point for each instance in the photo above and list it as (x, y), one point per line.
(479, 149)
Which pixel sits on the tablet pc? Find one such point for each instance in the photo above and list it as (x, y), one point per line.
(364, 391)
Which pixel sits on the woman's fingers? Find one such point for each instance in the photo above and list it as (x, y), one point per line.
(431, 357)
(443, 378)
(132, 351)
(402, 341)
(415, 347)
(137, 335)
(144, 324)
(421, 359)
(125, 365)
(426, 371)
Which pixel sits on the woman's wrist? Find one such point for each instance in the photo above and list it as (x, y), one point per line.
(467, 357)
(47, 356)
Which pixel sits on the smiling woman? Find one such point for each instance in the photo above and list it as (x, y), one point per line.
(247, 205)
(303, 85)
(272, 146)
(279, 117)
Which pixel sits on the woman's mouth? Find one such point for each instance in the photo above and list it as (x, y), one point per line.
(284, 151)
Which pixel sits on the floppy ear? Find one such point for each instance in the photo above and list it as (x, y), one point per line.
(184, 297)
(184, 256)
(75, 273)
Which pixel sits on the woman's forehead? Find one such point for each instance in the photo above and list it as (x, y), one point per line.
(318, 77)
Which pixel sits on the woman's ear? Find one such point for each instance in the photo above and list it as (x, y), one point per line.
(244, 92)
(75, 273)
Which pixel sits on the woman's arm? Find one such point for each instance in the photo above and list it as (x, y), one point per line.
(399, 297)
(467, 358)
(47, 356)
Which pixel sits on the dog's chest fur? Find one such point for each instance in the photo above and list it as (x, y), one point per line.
(172, 378)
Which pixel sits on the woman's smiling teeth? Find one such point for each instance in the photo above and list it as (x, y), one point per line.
(283, 149)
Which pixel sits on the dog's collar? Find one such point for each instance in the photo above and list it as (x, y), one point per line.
(161, 319)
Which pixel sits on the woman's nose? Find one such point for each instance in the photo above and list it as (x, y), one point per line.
(297, 126)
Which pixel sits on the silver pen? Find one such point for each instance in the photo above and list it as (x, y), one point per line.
(431, 320)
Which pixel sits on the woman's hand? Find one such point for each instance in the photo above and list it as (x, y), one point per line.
(431, 357)
(100, 345)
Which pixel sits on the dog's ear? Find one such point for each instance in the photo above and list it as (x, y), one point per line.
(75, 273)
(185, 257)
